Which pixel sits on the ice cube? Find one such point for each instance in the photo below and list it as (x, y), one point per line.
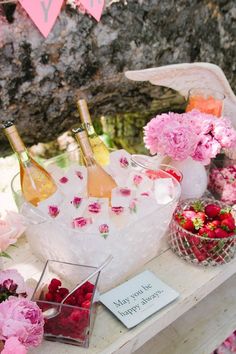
(164, 190)
(74, 181)
(119, 166)
(122, 196)
(139, 182)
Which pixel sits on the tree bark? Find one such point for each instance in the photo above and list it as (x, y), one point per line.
(41, 79)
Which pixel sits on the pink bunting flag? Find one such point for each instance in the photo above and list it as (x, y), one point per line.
(43, 13)
(93, 7)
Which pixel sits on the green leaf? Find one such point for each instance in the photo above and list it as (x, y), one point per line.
(4, 254)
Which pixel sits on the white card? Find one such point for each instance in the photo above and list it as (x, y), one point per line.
(138, 298)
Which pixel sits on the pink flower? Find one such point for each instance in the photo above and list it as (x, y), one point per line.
(76, 202)
(14, 346)
(206, 149)
(194, 134)
(81, 222)
(79, 175)
(224, 133)
(94, 208)
(125, 192)
(64, 180)
(104, 230)
(22, 319)
(124, 163)
(12, 281)
(137, 180)
(117, 210)
(53, 211)
(10, 229)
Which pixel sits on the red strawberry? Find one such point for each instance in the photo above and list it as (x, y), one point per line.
(201, 215)
(194, 240)
(187, 224)
(225, 214)
(212, 225)
(197, 206)
(189, 214)
(220, 233)
(228, 224)
(198, 223)
(201, 255)
(212, 210)
(205, 232)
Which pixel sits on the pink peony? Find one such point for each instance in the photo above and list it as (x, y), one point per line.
(194, 134)
(178, 141)
(224, 133)
(10, 229)
(14, 346)
(22, 319)
(206, 149)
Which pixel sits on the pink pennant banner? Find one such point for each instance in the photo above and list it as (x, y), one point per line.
(93, 7)
(43, 12)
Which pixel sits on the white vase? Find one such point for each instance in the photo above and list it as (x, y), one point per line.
(194, 182)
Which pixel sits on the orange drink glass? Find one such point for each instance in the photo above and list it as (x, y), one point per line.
(206, 100)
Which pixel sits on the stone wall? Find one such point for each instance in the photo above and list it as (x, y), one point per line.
(41, 79)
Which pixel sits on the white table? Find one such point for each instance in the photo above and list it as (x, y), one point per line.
(196, 323)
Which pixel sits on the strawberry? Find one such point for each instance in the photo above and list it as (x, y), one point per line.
(201, 215)
(220, 233)
(189, 214)
(198, 223)
(205, 232)
(187, 224)
(212, 225)
(212, 210)
(228, 224)
(197, 206)
(225, 213)
(201, 255)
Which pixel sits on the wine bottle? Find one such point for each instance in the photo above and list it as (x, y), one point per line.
(99, 182)
(100, 151)
(36, 183)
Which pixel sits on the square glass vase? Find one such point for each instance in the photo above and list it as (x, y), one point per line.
(74, 323)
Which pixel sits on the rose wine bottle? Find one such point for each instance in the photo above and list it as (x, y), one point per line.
(36, 183)
(100, 151)
(99, 183)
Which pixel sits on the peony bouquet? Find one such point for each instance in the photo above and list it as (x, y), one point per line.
(192, 134)
(21, 320)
